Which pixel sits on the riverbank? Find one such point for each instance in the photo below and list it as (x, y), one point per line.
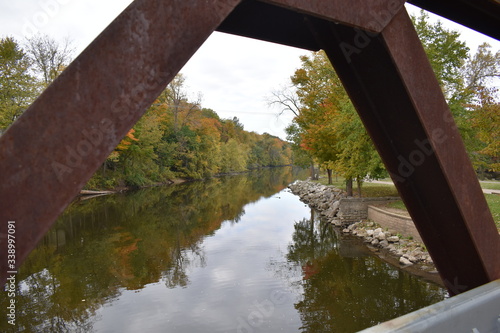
(391, 245)
(91, 191)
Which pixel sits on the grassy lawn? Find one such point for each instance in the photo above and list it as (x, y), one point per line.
(367, 189)
(491, 186)
(494, 203)
(492, 199)
(385, 190)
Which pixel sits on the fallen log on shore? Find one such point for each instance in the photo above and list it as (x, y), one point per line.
(89, 192)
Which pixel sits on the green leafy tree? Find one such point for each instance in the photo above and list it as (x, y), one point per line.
(446, 52)
(487, 123)
(467, 82)
(17, 85)
(327, 126)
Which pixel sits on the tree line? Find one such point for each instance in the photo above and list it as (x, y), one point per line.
(327, 131)
(176, 137)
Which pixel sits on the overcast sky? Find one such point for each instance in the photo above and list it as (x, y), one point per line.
(234, 74)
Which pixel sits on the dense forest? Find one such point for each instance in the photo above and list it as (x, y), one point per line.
(176, 137)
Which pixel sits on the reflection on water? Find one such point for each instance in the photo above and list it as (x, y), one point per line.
(344, 288)
(227, 255)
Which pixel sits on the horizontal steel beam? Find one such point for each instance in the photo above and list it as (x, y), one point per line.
(372, 15)
(50, 152)
(480, 15)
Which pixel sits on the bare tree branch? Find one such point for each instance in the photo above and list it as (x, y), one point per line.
(286, 99)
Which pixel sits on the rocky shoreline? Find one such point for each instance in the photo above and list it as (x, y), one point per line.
(388, 244)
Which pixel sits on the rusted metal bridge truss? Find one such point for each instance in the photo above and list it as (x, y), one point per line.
(50, 152)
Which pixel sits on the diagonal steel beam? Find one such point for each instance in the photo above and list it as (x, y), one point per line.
(388, 76)
(48, 154)
(65, 135)
(395, 91)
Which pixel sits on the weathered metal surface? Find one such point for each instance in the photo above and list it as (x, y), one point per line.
(398, 97)
(476, 311)
(285, 21)
(66, 134)
(371, 15)
(394, 89)
(271, 23)
(448, 147)
(480, 15)
(53, 149)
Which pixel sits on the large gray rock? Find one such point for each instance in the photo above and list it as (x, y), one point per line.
(404, 261)
(393, 239)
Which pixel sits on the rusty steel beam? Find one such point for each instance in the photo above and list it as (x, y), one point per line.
(371, 15)
(480, 15)
(284, 21)
(388, 76)
(396, 93)
(65, 135)
(259, 20)
(50, 152)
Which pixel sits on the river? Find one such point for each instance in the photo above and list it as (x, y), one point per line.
(232, 254)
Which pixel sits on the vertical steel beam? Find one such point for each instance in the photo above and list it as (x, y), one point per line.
(48, 154)
(395, 91)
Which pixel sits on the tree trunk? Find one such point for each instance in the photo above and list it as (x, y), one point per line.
(329, 172)
(349, 187)
(359, 181)
(313, 172)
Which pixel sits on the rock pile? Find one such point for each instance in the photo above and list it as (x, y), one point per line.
(409, 252)
(325, 199)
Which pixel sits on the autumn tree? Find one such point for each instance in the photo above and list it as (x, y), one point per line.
(17, 85)
(177, 138)
(468, 84)
(327, 126)
(486, 121)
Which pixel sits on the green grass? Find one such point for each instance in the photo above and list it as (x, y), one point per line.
(397, 204)
(385, 190)
(491, 186)
(367, 189)
(494, 204)
(378, 190)
(493, 201)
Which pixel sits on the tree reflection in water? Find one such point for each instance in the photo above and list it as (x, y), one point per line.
(342, 288)
(100, 247)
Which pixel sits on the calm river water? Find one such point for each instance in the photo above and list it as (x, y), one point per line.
(234, 254)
